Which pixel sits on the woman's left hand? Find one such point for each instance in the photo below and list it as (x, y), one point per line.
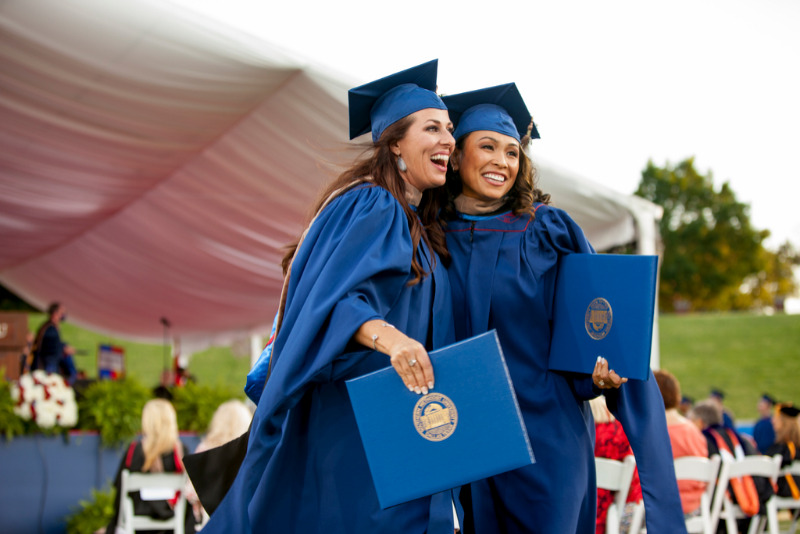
(408, 356)
(605, 378)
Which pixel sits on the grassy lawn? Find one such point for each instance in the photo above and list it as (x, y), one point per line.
(742, 354)
(745, 355)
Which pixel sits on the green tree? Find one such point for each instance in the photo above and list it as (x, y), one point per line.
(710, 248)
(772, 285)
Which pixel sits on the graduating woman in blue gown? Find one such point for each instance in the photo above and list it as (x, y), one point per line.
(366, 288)
(505, 242)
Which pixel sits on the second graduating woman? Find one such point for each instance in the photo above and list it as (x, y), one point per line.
(505, 242)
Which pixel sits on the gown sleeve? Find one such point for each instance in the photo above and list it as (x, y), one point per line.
(636, 404)
(351, 268)
(558, 234)
(257, 376)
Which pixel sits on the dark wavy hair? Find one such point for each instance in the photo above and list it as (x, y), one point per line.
(379, 163)
(521, 196)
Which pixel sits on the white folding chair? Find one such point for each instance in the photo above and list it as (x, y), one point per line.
(616, 476)
(637, 519)
(723, 507)
(165, 483)
(700, 469)
(776, 503)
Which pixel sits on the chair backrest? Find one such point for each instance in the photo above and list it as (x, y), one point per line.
(701, 469)
(755, 465)
(777, 503)
(154, 483)
(791, 469)
(615, 475)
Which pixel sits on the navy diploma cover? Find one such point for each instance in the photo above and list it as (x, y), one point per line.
(467, 428)
(604, 306)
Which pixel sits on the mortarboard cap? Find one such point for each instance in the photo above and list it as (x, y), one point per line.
(497, 109)
(789, 410)
(766, 397)
(379, 104)
(717, 393)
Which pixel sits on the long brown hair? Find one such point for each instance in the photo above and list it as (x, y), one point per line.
(788, 428)
(520, 198)
(378, 167)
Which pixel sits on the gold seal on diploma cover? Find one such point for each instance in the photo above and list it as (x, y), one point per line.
(435, 417)
(598, 318)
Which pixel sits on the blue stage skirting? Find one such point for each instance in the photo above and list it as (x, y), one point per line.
(42, 479)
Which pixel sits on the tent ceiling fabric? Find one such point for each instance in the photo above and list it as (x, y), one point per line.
(153, 165)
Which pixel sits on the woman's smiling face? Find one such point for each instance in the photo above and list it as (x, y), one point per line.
(426, 148)
(488, 163)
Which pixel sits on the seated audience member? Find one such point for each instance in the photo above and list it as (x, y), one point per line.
(158, 451)
(230, 420)
(707, 416)
(717, 396)
(685, 437)
(787, 442)
(685, 407)
(611, 442)
(763, 432)
(730, 446)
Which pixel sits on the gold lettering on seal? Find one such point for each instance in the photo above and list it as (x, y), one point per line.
(435, 417)
(598, 318)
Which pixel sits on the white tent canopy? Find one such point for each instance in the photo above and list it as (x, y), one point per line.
(153, 166)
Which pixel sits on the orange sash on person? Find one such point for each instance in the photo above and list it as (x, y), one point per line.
(789, 478)
(744, 488)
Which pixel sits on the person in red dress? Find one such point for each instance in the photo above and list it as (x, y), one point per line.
(611, 442)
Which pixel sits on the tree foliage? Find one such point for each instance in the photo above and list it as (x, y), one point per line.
(713, 258)
(772, 285)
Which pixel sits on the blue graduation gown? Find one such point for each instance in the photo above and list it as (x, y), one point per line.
(503, 277)
(764, 434)
(305, 468)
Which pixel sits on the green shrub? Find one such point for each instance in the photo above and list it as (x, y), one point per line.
(93, 514)
(196, 405)
(114, 408)
(10, 423)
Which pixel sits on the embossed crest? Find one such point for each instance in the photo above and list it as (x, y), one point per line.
(435, 417)
(598, 318)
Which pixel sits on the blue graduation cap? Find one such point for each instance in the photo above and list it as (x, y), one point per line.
(379, 104)
(497, 109)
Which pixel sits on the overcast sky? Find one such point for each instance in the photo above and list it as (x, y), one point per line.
(610, 84)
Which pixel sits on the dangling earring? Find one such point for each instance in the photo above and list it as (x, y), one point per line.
(401, 165)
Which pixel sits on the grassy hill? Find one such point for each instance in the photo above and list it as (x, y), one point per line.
(745, 355)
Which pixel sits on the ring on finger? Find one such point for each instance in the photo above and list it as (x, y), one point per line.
(601, 383)
(412, 363)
